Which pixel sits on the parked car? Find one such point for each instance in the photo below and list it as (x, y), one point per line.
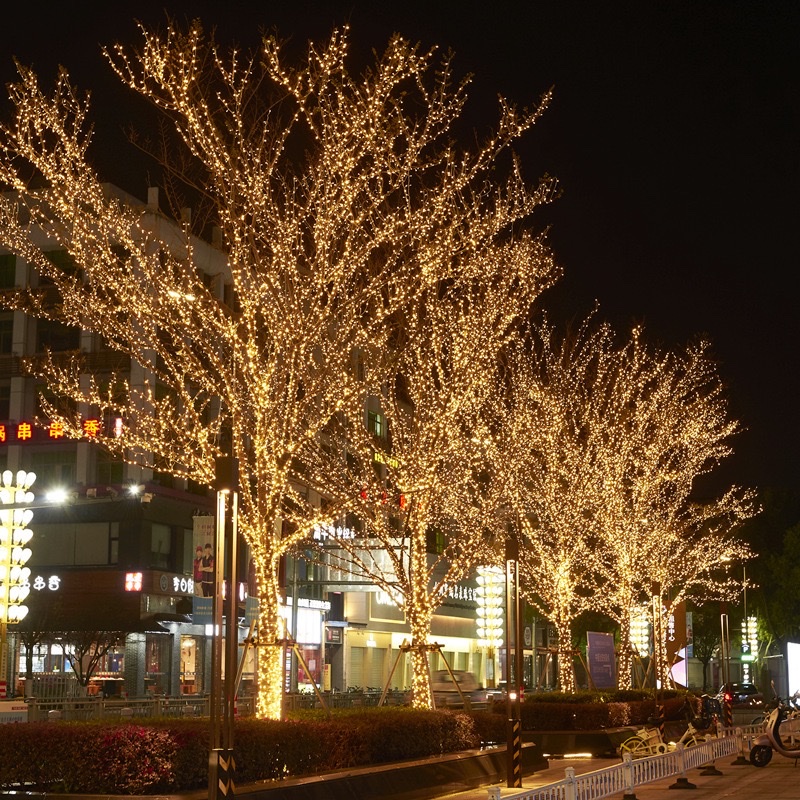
(741, 694)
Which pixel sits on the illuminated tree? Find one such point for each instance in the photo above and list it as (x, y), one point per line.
(547, 467)
(426, 503)
(602, 446)
(661, 423)
(339, 200)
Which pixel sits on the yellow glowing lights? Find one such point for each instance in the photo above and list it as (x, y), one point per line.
(338, 211)
(599, 443)
(491, 598)
(640, 630)
(14, 554)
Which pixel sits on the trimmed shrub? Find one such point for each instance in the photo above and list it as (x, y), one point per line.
(172, 755)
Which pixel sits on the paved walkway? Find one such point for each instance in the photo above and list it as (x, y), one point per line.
(779, 780)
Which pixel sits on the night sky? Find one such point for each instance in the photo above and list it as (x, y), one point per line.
(674, 133)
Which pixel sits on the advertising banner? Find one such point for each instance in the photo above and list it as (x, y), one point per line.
(601, 659)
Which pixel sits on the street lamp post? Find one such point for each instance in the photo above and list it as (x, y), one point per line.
(513, 668)
(221, 763)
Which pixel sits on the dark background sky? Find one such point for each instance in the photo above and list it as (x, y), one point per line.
(674, 133)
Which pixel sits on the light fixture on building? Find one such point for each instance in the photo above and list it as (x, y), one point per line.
(133, 581)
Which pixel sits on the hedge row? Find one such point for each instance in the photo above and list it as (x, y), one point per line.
(167, 756)
(172, 755)
(589, 714)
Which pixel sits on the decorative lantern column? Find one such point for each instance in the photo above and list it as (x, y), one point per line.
(14, 553)
(489, 619)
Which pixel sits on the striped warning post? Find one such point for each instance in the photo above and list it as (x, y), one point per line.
(514, 753)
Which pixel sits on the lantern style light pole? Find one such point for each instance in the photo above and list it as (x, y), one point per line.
(489, 619)
(14, 553)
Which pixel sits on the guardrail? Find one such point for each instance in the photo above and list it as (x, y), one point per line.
(625, 777)
(76, 709)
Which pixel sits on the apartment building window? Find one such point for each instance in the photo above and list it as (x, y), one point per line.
(44, 393)
(376, 424)
(84, 544)
(64, 261)
(8, 269)
(5, 401)
(160, 546)
(110, 468)
(6, 333)
(55, 336)
(55, 467)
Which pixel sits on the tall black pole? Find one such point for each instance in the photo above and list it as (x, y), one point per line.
(221, 764)
(513, 666)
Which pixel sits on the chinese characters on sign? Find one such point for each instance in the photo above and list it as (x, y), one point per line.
(24, 431)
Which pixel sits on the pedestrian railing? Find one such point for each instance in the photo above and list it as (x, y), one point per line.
(623, 778)
(89, 708)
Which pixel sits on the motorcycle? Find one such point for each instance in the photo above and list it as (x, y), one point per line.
(770, 741)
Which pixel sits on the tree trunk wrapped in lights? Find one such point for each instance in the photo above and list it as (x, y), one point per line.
(340, 201)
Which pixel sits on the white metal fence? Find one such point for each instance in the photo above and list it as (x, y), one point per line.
(623, 778)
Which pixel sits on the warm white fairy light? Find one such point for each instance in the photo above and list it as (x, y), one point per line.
(601, 444)
(341, 201)
(424, 499)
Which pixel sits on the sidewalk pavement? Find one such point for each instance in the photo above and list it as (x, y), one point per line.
(779, 780)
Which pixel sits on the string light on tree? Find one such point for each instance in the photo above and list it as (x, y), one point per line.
(600, 444)
(341, 201)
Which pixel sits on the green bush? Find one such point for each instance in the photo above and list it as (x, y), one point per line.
(595, 710)
(167, 755)
(172, 755)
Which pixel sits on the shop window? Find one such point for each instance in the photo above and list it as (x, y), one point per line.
(158, 648)
(189, 676)
(355, 677)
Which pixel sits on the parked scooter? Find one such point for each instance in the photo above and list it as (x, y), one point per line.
(763, 747)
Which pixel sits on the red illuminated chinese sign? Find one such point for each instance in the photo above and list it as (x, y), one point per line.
(23, 431)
